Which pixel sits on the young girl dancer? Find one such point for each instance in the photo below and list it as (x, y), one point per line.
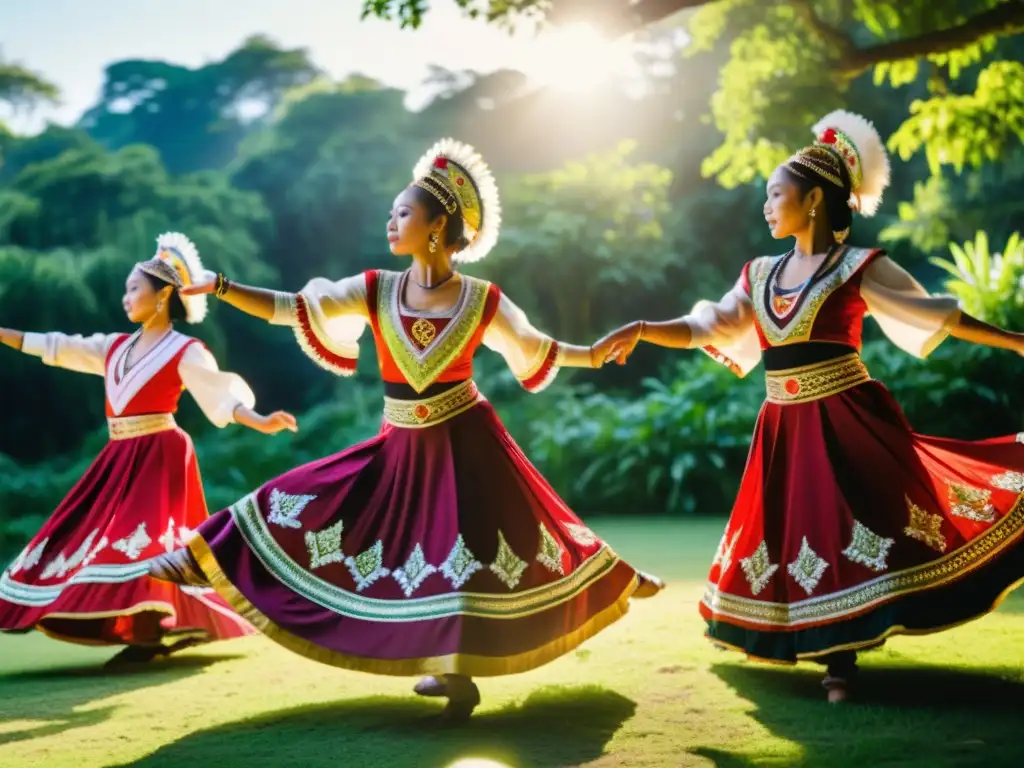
(84, 577)
(434, 548)
(849, 526)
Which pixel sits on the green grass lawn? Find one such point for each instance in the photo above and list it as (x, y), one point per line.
(650, 691)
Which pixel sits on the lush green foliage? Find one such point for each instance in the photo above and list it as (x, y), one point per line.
(279, 174)
(988, 285)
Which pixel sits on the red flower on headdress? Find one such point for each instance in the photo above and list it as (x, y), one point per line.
(829, 136)
(460, 181)
(441, 163)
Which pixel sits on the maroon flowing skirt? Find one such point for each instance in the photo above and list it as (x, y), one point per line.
(420, 551)
(850, 527)
(84, 577)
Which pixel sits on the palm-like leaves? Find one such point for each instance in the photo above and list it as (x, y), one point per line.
(989, 286)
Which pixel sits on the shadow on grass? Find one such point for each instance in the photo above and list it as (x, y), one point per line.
(49, 698)
(934, 716)
(552, 727)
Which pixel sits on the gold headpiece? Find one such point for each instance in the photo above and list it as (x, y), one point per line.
(458, 177)
(177, 262)
(844, 139)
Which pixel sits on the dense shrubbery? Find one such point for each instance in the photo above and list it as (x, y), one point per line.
(676, 448)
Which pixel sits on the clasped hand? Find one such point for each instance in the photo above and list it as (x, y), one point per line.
(617, 345)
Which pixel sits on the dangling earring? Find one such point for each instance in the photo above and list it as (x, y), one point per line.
(432, 242)
(814, 212)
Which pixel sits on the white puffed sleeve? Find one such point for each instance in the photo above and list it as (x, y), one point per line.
(725, 330)
(914, 320)
(217, 392)
(328, 319)
(534, 357)
(85, 354)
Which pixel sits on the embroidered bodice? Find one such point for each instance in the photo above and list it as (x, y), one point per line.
(153, 383)
(418, 348)
(827, 307)
(421, 348)
(758, 313)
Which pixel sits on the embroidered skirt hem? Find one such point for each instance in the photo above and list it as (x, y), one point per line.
(420, 551)
(849, 527)
(83, 577)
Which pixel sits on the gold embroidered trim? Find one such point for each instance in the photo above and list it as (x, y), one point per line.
(422, 367)
(814, 382)
(758, 568)
(868, 548)
(799, 328)
(458, 567)
(808, 568)
(826, 608)
(127, 427)
(925, 527)
(456, 663)
(971, 503)
(417, 414)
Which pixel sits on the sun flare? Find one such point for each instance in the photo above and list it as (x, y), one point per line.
(576, 58)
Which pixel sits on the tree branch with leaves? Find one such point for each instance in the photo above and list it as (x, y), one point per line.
(24, 89)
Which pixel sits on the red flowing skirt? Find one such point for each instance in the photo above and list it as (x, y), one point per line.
(83, 577)
(420, 551)
(850, 527)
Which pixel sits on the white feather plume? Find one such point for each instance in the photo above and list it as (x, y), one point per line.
(483, 240)
(195, 306)
(874, 159)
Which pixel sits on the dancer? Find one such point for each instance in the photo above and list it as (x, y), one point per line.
(434, 548)
(84, 577)
(849, 526)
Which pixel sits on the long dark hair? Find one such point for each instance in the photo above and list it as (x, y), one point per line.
(454, 230)
(176, 308)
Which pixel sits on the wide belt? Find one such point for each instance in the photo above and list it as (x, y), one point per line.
(127, 427)
(416, 414)
(813, 382)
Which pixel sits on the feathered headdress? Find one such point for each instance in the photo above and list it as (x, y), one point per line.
(459, 178)
(177, 262)
(843, 138)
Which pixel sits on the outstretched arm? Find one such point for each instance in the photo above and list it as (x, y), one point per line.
(674, 334)
(978, 332)
(84, 354)
(917, 321)
(258, 302)
(723, 329)
(534, 357)
(224, 397)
